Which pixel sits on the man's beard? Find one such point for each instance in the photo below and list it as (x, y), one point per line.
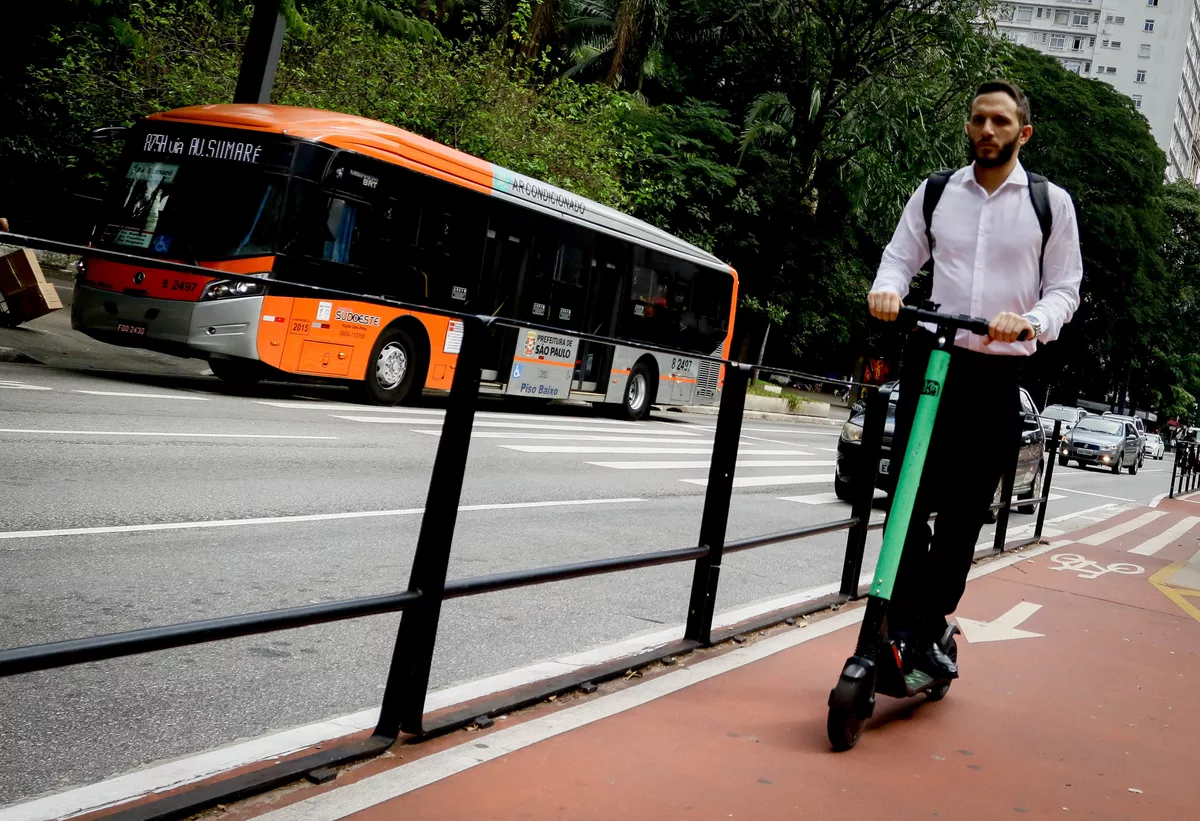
(1002, 156)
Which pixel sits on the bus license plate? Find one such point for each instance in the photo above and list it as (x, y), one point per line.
(131, 328)
(884, 466)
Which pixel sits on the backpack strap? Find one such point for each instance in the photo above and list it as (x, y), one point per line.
(935, 184)
(1039, 193)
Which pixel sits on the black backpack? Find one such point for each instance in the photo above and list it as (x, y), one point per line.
(1039, 194)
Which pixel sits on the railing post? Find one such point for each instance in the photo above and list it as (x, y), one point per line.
(864, 488)
(1174, 468)
(1048, 481)
(717, 494)
(1006, 492)
(408, 679)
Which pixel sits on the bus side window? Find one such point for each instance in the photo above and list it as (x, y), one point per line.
(349, 236)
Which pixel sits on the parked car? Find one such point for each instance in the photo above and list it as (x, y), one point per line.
(1106, 441)
(1154, 447)
(1061, 413)
(1030, 458)
(1139, 426)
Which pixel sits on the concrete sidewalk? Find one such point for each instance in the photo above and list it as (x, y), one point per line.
(1080, 664)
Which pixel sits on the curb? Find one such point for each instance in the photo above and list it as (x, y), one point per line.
(14, 356)
(769, 416)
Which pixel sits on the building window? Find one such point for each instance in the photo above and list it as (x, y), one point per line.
(1091, 42)
(1110, 70)
(1116, 43)
(1103, 44)
(1062, 18)
(1039, 12)
(1141, 77)
(1072, 66)
(1148, 25)
(1137, 101)
(1006, 12)
(1024, 14)
(1078, 19)
(1058, 41)
(1120, 21)
(1151, 2)
(1144, 50)
(1076, 44)
(1108, 19)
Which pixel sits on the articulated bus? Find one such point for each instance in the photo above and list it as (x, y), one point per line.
(355, 205)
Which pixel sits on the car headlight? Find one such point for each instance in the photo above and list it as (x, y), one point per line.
(852, 432)
(1108, 448)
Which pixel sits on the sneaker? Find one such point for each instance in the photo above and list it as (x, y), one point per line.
(932, 660)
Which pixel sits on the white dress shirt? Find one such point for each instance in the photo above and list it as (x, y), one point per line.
(985, 256)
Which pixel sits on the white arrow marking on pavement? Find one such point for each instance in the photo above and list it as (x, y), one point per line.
(1003, 628)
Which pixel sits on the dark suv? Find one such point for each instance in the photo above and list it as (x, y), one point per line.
(1030, 458)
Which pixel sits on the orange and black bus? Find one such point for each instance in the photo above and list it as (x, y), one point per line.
(356, 205)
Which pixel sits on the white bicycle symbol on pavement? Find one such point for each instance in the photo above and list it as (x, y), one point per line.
(1088, 569)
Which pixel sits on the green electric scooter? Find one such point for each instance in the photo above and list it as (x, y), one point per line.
(877, 666)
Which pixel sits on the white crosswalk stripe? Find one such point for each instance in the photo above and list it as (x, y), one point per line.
(655, 448)
(701, 465)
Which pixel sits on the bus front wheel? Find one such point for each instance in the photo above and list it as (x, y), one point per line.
(391, 373)
(639, 393)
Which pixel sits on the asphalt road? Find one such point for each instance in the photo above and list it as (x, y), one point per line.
(87, 460)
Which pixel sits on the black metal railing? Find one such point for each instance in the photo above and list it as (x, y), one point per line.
(403, 705)
(1185, 471)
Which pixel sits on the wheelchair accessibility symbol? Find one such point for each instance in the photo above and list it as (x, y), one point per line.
(516, 372)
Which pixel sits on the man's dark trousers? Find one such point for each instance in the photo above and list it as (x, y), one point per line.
(975, 439)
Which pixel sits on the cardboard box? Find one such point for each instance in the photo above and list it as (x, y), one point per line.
(24, 289)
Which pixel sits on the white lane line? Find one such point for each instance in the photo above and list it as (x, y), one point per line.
(1116, 531)
(794, 432)
(349, 407)
(13, 385)
(766, 481)
(558, 437)
(770, 441)
(145, 395)
(485, 423)
(827, 450)
(308, 517)
(641, 450)
(1171, 534)
(823, 498)
(390, 784)
(682, 465)
(1097, 495)
(163, 433)
(1157, 500)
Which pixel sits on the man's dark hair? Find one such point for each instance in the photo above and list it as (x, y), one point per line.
(1024, 115)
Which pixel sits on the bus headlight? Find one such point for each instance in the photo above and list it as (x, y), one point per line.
(852, 432)
(222, 289)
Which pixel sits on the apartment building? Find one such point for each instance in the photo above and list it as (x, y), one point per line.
(1147, 49)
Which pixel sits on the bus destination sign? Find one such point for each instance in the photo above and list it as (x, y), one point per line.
(213, 149)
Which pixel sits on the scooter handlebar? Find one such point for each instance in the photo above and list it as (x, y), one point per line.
(957, 321)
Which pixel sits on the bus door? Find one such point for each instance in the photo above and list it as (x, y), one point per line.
(505, 258)
(605, 284)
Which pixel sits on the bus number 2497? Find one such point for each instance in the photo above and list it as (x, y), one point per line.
(684, 365)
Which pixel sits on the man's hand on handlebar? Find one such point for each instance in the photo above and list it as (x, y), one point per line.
(884, 305)
(1008, 327)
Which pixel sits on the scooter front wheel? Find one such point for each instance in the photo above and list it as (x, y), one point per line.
(844, 729)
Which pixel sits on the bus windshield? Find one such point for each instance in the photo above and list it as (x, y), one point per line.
(180, 209)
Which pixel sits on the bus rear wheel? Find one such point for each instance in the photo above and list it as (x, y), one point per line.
(392, 370)
(639, 393)
(237, 371)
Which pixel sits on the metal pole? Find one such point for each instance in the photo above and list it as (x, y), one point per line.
(1048, 482)
(716, 504)
(408, 679)
(1006, 491)
(1175, 468)
(260, 57)
(864, 490)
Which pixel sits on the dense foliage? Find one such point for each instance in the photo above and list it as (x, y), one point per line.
(783, 135)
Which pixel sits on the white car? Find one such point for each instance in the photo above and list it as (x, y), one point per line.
(1154, 447)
